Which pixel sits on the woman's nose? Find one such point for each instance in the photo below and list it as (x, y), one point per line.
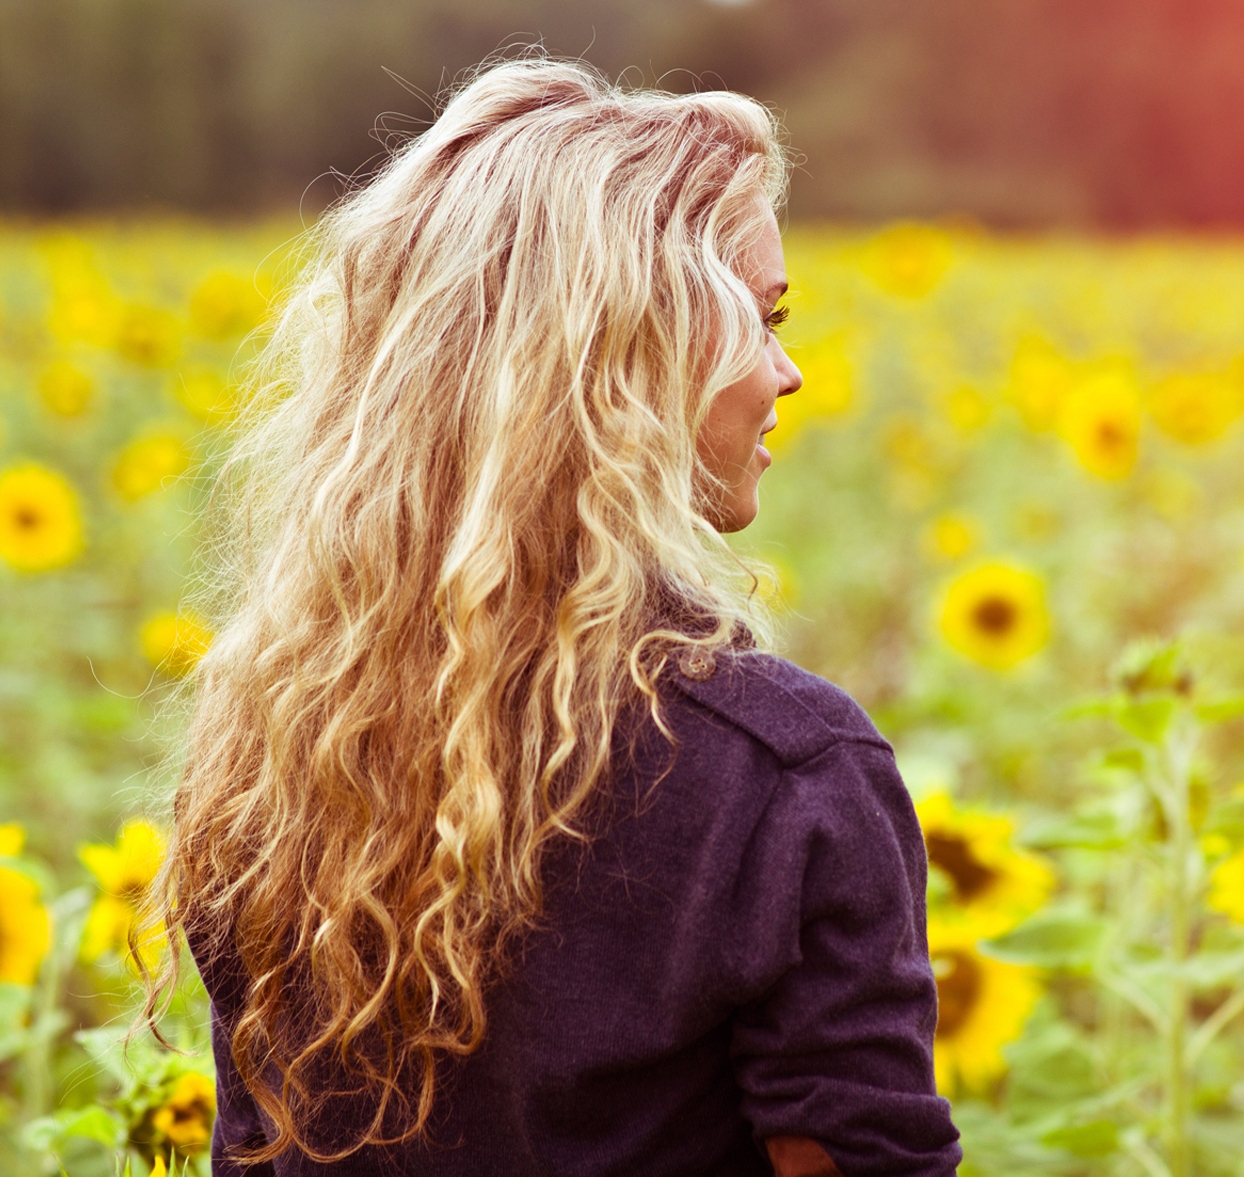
(789, 377)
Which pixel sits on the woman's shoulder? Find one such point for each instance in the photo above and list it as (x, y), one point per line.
(797, 715)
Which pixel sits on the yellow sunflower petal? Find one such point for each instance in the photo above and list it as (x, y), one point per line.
(1039, 381)
(104, 863)
(982, 1005)
(908, 259)
(25, 928)
(107, 928)
(124, 872)
(174, 642)
(1195, 407)
(967, 409)
(206, 394)
(1226, 893)
(225, 305)
(951, 536)
(12, 839)
(147, 335)
(152, 940)
(65, 389)
(140, 847)
(148, 465)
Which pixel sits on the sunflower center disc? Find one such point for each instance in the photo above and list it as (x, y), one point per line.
(994, 615)
(954, 856)
(958, 987)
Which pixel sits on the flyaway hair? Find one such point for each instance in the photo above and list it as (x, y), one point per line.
(466, 493)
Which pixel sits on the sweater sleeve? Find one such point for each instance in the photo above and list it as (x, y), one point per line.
(238, 1124)
(839, 1049)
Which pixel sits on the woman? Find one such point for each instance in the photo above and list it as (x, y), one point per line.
(500, 848)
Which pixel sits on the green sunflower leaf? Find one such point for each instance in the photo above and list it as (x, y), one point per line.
(1050, 939)
(1093, 707)
(91, 1123)
(1097, 1139)
(1089, 831)
(1221, 710)
(1147, 719)
(1132, 759)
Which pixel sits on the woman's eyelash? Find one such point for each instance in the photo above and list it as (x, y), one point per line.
(776, 317)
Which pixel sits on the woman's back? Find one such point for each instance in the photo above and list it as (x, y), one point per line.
(737, 954)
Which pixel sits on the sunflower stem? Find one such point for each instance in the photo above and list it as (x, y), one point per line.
(1148, 1159)
(1176, 802)
(36, 1058)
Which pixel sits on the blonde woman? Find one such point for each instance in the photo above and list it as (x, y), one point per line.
(501, 847)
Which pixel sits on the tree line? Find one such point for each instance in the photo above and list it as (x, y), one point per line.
(1122, 113)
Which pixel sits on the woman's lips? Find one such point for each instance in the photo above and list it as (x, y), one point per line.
(769, 426)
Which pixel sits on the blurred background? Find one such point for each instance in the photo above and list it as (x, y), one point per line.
(1006, 510)
(1119, 114)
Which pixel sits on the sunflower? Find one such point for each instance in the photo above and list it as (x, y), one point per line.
(1195, 407)
(206, 394)
(995, 615)
(967, 409)
(184, 1120)
(66, 390)
(25, 927)
(982, 1004)
(147, 336)
(40, 526)
(908, 259)
(84, 306)
(1040, 377)
(951, 536)
(224, 305)
(174, 642)
(124, 872)
(1100, 419)
(908, 445)
(147, 464)
(991, 886)
(1226, 888)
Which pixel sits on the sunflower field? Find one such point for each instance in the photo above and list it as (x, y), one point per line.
(1006, 513)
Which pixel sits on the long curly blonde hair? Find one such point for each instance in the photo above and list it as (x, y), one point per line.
(466, 496)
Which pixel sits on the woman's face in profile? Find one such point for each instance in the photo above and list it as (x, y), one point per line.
(731, 442)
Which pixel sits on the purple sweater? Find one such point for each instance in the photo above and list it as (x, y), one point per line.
(739, 953)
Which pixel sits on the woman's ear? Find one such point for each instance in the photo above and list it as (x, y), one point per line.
(799, 1156)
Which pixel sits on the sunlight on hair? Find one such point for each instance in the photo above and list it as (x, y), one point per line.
(470, 526)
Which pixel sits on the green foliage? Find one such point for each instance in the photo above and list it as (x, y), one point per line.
(1129, 1065)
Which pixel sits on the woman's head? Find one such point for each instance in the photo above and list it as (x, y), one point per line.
(558, 281)
(504, 416)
